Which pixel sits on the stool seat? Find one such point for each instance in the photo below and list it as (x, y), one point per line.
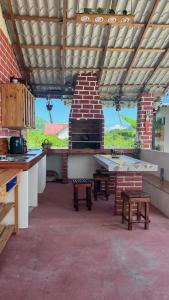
(135, 194)
(132, 200)
(82, 183)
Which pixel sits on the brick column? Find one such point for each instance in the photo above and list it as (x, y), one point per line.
(8, 68)
(144, 120)
(86, 104)
(125, 181)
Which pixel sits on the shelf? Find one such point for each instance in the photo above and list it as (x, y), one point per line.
(4, 209)
(5, 233)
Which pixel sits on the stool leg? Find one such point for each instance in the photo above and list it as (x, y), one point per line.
(146, 225)
(138, 211)
(95, 190)
(88, 198)
(76, 206)
(107, 190)
(123, 211)
(130, 216)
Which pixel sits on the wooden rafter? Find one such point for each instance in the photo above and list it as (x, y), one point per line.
(141, 39)
(72, 20)
(21, 61)
(33, 18)
(83, 48)
(96, 69)
(106, 42)
(63, 54)
(101, 86)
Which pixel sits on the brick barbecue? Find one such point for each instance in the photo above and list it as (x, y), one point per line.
(86, 121)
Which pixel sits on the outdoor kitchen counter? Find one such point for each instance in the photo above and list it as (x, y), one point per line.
(24, 164)
(123, 163)
(126, 173)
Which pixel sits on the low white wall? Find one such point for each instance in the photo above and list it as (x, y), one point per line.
(81, 166)
(159, 158)
(54, 163)
(159, 199)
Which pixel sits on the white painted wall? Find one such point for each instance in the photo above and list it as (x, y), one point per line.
(159, 158)
(81, 166)
(159, 199)
(33, 186)
(54, 162)
(42, 174)
(164, 112)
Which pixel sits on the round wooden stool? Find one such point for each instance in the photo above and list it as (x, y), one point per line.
(135, 200)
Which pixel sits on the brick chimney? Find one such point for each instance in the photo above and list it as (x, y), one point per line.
(86, 121)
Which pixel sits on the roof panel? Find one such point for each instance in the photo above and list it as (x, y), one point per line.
(50, 8)
(46, 33)
(42, 58)
(146, 59)
(42, 33)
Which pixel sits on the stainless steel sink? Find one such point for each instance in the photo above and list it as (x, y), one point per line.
(16, 157)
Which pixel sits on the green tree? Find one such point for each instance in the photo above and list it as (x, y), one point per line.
(131, 121)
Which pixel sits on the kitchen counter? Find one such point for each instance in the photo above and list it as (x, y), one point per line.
(22, 161)
(123, 163)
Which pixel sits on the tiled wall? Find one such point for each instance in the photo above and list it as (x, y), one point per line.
(8, 68)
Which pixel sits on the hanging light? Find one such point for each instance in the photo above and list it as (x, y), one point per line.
(49, 105)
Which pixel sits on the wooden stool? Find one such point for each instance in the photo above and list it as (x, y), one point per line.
(99, 179)
(130, 198)
(82, 184)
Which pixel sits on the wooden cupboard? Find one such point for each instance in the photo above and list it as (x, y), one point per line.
(18, 109)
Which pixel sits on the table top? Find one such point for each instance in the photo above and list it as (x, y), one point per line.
(125, 163)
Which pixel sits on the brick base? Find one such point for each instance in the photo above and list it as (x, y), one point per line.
(128, 181)
(65, 168)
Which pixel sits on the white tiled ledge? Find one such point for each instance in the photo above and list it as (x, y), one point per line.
(125, 163)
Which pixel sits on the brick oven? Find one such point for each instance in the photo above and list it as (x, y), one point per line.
(86, 121)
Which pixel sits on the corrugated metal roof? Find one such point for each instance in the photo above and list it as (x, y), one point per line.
(53, 67)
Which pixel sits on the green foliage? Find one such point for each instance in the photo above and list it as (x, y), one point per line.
(35, 138)
(122, 138)
(131, 121)
(40, 123)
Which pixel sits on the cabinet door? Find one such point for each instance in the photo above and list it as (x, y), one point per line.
(13, 106)
(32, 112)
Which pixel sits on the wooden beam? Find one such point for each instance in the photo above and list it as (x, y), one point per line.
(141, 39)
(81, 48)
(56, 20)
(96, 69)
(21, 61)
(34, 18)
(63, 55)
(131, 85)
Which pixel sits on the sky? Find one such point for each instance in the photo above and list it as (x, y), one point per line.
(60, 112)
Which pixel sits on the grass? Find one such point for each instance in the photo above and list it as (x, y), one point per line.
(118, 138)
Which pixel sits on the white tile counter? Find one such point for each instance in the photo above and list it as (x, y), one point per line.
(124, 163)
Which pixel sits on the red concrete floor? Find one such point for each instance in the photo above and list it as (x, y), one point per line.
(84, 255)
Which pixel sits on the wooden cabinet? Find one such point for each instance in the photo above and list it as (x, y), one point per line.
(8, 182)
(17, 106)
